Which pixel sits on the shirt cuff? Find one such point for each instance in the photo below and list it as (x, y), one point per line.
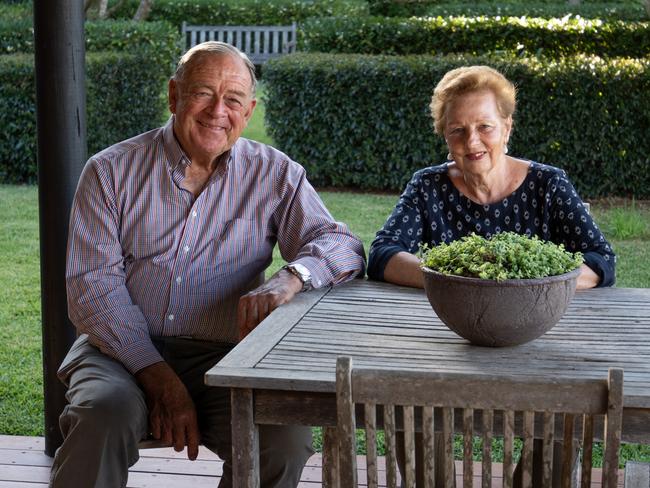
(378, 260)
(319, 277)
(602, 267)
(138, 355)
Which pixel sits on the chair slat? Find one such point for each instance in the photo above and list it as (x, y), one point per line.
(567, 460)
(488, 425)
(587, 450)
(468, 438)
(428, 441)
(330, 458)
(267, 44)
(547, 449)
(508, 441)
(527, 452)
(370, 417)
(389, 439)
(448, 442)
(409, 446)
(613, 427)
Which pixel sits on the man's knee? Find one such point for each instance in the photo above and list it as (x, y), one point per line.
(110, 407)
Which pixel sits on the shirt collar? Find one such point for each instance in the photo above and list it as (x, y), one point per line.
(174, 151)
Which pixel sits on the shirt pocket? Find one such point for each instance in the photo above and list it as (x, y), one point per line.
(240, 247)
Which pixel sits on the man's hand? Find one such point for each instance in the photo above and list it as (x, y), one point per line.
(172, 416)
(257, 304)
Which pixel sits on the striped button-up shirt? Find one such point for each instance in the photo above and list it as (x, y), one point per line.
(146, 258)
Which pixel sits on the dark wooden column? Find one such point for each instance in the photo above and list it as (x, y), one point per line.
(61, 130)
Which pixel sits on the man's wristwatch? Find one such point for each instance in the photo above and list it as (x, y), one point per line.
(302, 273)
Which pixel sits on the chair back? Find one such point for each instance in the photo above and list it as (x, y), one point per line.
(513, 406)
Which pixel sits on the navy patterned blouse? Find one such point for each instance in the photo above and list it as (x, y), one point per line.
(432, 210)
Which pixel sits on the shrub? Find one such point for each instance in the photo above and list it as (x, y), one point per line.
(18, 119)
(120, 35)
(363, 121)
(123, 99)
(15, 10)
(16, 36)
(244, 12)
(476, 35)
(536, 8)
(160, 39)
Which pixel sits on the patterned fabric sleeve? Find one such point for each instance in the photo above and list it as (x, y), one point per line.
(308, 234)
(573, 226)
(99, 303)
(403, 230)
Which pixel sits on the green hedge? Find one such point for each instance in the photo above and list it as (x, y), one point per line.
(476, 35)
(107, 35)
(627, 10)
(18, 119)
(244, 12)
(618, 11)
(15, 11)
(123, 99)
(363, 121)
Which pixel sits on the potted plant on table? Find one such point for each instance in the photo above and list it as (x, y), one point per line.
(502, 291)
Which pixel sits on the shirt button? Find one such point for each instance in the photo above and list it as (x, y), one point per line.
(170, 317)
(178, 279)
(186, 249)
(194, 214)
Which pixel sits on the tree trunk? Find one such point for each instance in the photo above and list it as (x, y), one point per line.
(103, 5)
(143, 10)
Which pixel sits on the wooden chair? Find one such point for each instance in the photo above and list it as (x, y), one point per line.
(414, 400)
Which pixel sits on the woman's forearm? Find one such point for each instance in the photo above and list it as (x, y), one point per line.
(588, 278)
(404, 269)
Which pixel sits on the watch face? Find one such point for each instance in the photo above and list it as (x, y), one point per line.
(301, 272)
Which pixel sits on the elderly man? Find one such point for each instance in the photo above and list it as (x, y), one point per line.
(170, 234)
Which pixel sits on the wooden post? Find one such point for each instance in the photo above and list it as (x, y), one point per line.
(61, 132)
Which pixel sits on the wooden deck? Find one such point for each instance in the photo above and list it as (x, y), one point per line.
(24, 465)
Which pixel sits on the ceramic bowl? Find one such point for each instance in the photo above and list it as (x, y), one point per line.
(505, 313)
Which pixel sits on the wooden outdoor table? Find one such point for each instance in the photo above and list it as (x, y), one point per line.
(283, 372)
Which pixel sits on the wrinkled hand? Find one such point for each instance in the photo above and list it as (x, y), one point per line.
(257, 304)
(172, 416)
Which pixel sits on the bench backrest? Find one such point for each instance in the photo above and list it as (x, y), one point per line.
(259, 42)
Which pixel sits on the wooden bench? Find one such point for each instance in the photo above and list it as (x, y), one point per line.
(259, 42)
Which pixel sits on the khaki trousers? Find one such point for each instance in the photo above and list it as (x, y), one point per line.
(107, 416)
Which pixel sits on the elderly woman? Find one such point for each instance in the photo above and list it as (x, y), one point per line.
(482, 189)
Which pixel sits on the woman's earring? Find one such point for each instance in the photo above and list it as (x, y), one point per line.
(505, 149)
(449, 157)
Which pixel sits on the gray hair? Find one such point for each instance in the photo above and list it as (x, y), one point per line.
(213, 48)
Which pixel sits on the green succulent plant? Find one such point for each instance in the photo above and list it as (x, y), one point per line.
(501, 257)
